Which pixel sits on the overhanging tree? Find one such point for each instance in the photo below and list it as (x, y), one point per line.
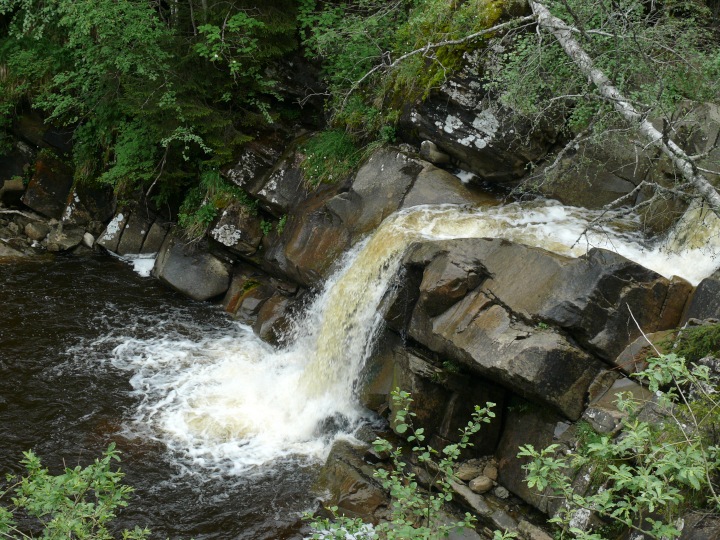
(601, 66)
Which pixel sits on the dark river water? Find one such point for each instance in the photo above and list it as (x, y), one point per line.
(61, 396)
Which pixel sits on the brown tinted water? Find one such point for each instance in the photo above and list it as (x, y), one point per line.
(61, 396)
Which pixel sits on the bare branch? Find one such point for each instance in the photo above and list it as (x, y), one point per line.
(688, 169)
(433, 46)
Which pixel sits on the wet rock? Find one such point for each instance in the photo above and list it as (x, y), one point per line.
(9, 252)
(313, 239)
(590, 296)
(49, 187)
(88, 240)
(155, 237)
(193, 272)
(468, 471)
(351, 484)
(481, 484)
(705, 301)
(64, 238)
(89, 203)
(524, 424)
(449, 398)
(110, 238)
(134, 232)
(430, 152)
(238, 229)
(37, 230)
(12, 191)
(274, 319)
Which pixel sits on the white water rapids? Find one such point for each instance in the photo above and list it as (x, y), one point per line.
(233, 402)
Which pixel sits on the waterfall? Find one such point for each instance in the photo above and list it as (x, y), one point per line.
(234, 402)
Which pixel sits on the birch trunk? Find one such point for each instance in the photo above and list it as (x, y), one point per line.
(564, 34)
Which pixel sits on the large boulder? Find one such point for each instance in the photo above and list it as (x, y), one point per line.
(64, 238)
(89, 204)
(285, 186)
(238, 229)
(705, 300)
(135, 231)
(191, 270)
(462, 299)
(274, 319)
(49, 188)
(592, 175)
(448, 396)
(350, 483)
(481, 136)
(254, 163)
(437, 186)
(11, 191)
(328, 222)
(110, 238)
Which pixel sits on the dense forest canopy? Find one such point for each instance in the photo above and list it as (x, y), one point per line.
(160, 95)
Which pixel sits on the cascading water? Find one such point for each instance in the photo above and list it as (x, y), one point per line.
(235, 400)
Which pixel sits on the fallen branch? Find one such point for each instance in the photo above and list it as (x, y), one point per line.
(432, 46)
(687, 168)
(24, 214)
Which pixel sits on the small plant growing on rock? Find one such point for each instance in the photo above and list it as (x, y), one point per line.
(414, 513)
(665, 460)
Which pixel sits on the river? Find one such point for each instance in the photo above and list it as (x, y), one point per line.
(222, 435)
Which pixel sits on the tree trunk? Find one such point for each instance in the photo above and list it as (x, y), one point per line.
(564, 34)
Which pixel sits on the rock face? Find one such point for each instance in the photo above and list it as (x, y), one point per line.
(462, 300)
(134, 230)
(274, 178)
(448, 395)
(49, 187)
(349, 479)
(593, 176)
(479, 135)
(198, 274)
(327, 224)
(238, 229)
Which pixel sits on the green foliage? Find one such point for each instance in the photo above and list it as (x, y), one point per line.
(154, 92)
(353, 38)
(652, 55)
(280, 227)
(415, 513)
(330, 156)
(79, 503)
(203, 203)
(652, 471)
(696, 342)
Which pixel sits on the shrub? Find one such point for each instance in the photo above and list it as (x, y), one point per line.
(79, 503)
(415, 513)
(653, 471)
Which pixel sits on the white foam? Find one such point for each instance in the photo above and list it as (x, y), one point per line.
(142, 263)
(233, 402)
